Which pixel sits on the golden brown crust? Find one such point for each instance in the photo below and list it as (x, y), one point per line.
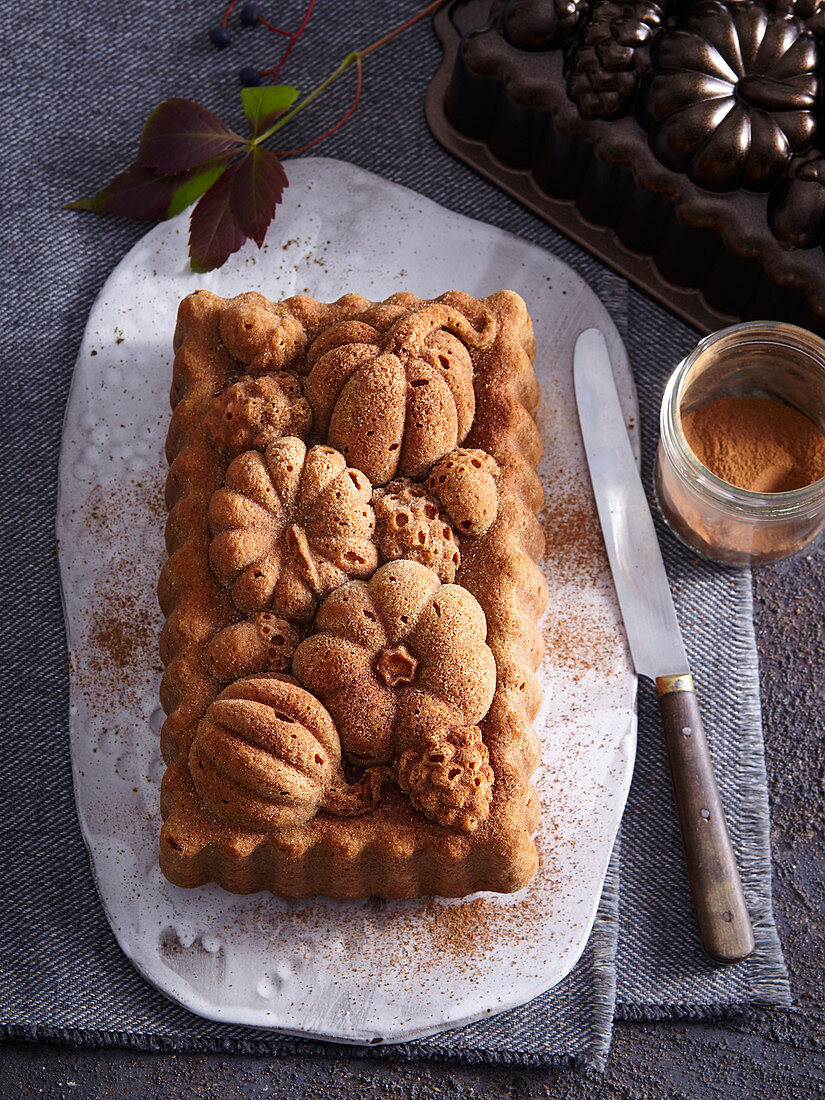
(398, 831)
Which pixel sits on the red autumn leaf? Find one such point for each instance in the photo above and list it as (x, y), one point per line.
(181, 134)
(214, 230)
(240, 204)
(257, 189)
(138, 193)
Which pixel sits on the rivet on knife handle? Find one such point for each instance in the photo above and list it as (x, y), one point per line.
(724, 923)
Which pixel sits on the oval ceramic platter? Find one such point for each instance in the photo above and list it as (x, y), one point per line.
(359, 971)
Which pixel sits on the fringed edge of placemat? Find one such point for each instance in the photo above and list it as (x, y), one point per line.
(605, 943)
(160, 1044)
(771, 986)
(635, 1013)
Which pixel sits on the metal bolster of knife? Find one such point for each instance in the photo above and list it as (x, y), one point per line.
(667, 684)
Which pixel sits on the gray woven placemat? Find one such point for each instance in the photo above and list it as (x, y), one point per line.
(81, 79)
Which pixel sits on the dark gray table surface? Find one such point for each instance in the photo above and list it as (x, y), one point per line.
(766, 1054)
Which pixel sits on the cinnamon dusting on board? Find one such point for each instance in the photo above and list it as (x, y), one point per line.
(123, 627)
(122, 634)
(573, 544)
(574, 553)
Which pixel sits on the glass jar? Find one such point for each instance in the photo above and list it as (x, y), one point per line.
(720, 521)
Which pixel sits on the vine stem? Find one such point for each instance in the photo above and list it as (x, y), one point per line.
(356, 56)
(338, 124)
(404, 26)
(292, 36)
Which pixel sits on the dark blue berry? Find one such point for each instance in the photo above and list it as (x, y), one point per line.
(250, 13)
(249, 77)
(220, 37)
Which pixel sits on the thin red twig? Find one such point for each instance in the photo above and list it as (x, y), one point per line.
(293, 38)
(399, 30)
(228, 12)
(338, 124)
(275, 30)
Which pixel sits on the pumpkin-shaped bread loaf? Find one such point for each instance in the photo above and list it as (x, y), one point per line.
(289, 526)
(265, 755)
(263, 335)
(395, 655)
(394, 402)
(446, 773)
(733, 93)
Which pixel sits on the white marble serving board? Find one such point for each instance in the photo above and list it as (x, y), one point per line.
(361, 971)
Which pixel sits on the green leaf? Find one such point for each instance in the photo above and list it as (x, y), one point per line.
(263, 105)
(91, 202)
(141, 194)
(193, 188)
(180, 135)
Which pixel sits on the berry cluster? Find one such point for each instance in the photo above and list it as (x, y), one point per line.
(250, 16)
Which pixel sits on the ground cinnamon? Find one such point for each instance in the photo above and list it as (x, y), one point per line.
(756, 444)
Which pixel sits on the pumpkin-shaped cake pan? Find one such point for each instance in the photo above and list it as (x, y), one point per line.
(681, 142)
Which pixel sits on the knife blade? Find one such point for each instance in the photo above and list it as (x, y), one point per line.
(658, 651)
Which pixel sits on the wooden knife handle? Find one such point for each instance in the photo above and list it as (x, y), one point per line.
(724, 923)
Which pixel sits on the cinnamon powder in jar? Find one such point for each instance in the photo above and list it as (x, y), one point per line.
(767, 498)
(756, 444)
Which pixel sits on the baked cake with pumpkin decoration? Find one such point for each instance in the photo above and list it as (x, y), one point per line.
(352, 597)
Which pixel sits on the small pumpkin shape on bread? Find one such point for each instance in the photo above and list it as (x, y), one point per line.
(257, 410)
(394, 402)
(265, 755)
(395, 653)
(289, 526)
(260, 334)
(466, 484)
(409, 524)
(446, 773)
(262, 643)
(734, 92)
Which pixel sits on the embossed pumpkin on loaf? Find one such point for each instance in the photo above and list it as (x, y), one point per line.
(733, 94)
(409, 524)
(266, 755)
(394, 402)
(263, 335)
(289, 526)
(256, 411)
(398, 652)
(446, 773)
(466, 484)
(262, 643)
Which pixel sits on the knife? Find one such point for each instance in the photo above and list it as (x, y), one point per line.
(658, 652)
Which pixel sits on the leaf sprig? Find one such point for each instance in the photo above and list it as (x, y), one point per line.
(187, 154)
